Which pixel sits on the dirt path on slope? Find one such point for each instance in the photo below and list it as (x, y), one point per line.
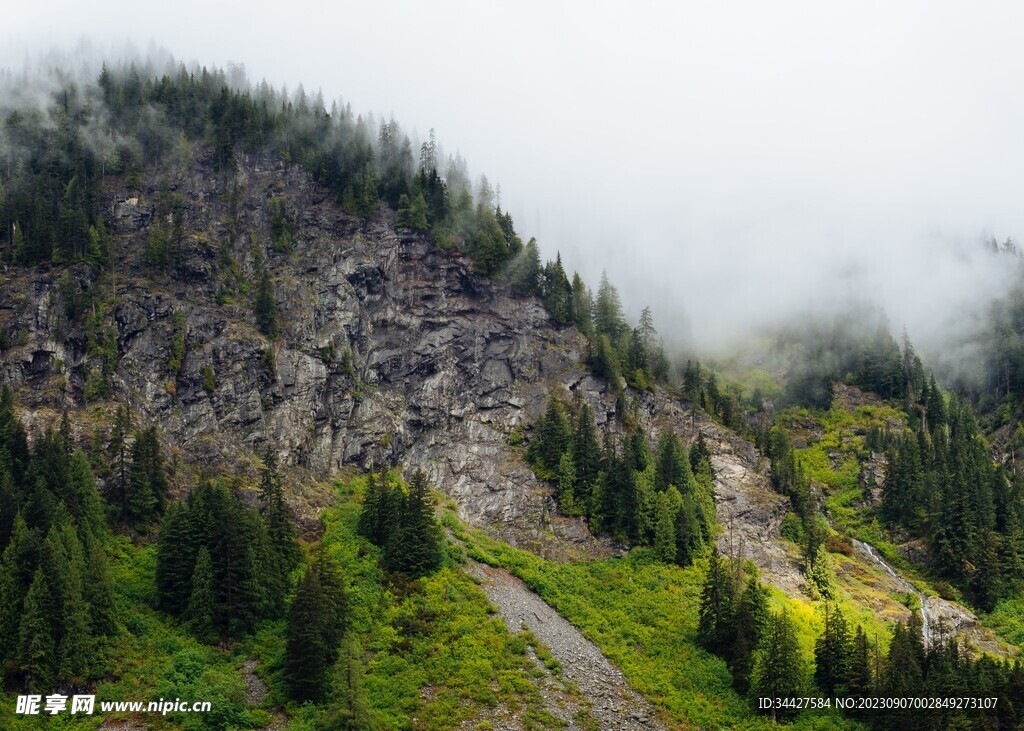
(614, 705)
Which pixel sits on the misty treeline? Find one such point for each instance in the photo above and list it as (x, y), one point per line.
(662, 498)
(856, 347)
(766, 660)
(993, 379)
(135, 120)
(941, 483)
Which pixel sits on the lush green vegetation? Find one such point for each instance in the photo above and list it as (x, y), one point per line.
(644, 615)
(438, 632)
(664, 499)
(184, 617)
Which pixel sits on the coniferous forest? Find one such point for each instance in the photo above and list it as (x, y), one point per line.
(290, 408)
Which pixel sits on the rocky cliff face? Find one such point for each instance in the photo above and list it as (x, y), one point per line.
(444, 364)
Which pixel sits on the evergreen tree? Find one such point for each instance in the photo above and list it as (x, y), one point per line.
(278, 515)
(858, 680)
(586, 454)
(550, 440)
(689, 531)
(120, 486)
(557, 292)
(661, 366)
(582, 306)
(717, 599)
(749, 623)
(98, 591)
(307, 655)
(349, 710)
(902, 676)
(83, 498)
(235, 571)
(604, 361)
(76, 640)
(416, 548)
(672, 466)
(147, 481)
(833, 653)
(567, 486)
(693, 380)
(370, 524)
(202, 609)
(638, 451)
(16, 575)
(175, 560)
(266, 305)
(37, 646)
(935, 406)
(412, 212)
(524, 272)
(665, 528)
(608, 318)
(700, 455)
(336, 615)
(779, 668)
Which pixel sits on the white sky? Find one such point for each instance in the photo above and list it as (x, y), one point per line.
(726, 159)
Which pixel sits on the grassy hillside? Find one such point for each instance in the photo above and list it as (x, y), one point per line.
(643, 616)
(424, 654)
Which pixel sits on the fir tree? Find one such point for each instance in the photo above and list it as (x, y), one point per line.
(88, 509)
(693, 380)
(235, 572)
(416, 548)
(582, 306)
(99, 592)
(336, 615)
(608, 318)
(604, 361)
(779, 668)
(119, 484)
(175, 560)
(202, 609)
(550, 440)
(37, 647)
(858, 678)
(566, 485)
(412, 212)
(672, 466)
(308, 655)
(833, 652)
(349, 710)
(266, 305)
(717, 600)
(16, 574)
(524, 272)
(700, 456)
(76, 640)
(586, 454)
(665, 527)
(278, 515)
(557, 292)
(147, 481)
(370, 516)
(749, 622)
